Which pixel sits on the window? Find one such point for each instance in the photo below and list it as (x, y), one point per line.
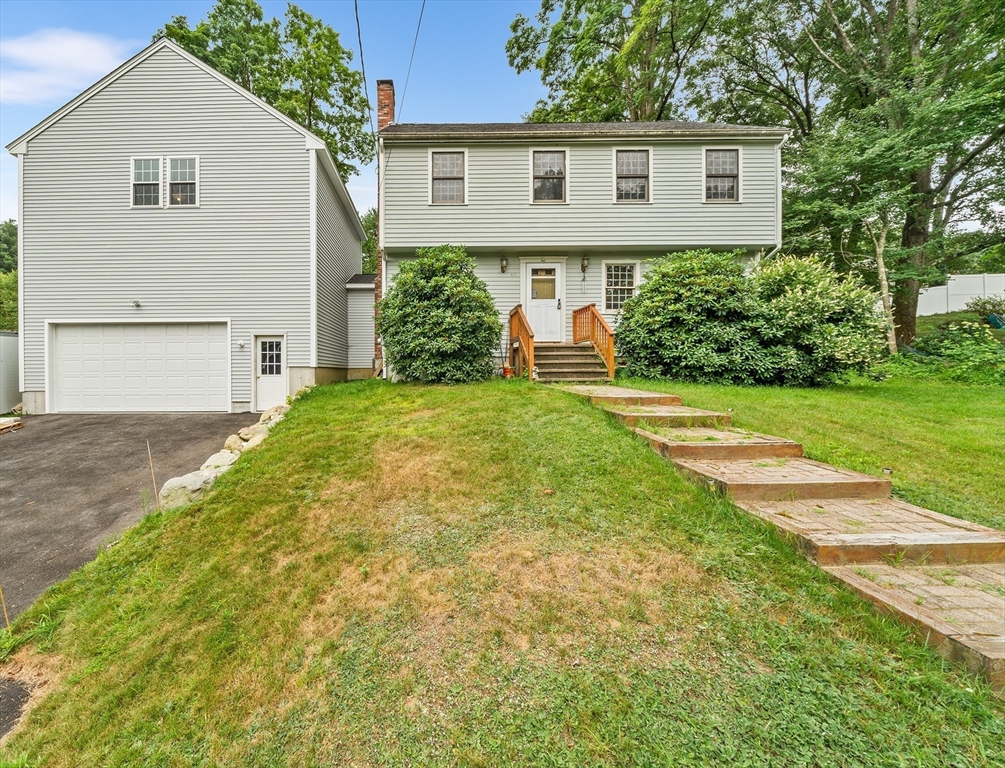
(271, 354)
(620, 285)
(722, 174)
(184, 180)
(632, 175)
(147, 182)
(448, 178)
(549, 177)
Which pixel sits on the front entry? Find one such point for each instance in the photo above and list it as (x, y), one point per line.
(544, 301)
(270, 372)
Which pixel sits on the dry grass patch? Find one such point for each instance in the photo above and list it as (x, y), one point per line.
(39, 673)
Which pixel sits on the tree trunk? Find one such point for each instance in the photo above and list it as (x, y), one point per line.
(884, 288)
(915, 238)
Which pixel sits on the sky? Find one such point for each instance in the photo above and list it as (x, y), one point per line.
(51, 50)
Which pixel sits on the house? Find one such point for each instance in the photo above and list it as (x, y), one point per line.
(182, 247)
(563, 216)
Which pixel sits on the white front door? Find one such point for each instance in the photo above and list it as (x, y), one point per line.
(544, 301)
(270, 372)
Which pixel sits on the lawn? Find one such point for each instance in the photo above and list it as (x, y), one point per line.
(492, 574)
(930, 323)
(944, 441)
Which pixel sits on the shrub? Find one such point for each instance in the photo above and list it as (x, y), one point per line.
(438, 322)
(697, 317)
(965, 352)
(8, 301)
(987, 305)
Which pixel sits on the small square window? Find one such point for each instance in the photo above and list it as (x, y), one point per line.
(620, 282)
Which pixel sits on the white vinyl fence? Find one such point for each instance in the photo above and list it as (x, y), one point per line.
(960, 289)
(9, 391)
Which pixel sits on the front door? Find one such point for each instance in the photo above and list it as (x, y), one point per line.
(544, 301)
(270, 372)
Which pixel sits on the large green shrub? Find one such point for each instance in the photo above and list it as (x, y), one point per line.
(986, 305)
(437, 321)
(8, 301)
(964, 352)
(698, 317)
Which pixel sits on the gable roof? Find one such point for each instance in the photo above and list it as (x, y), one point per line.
(19, 145)
(661, 129)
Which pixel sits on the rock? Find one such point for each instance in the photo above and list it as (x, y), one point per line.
(254, 442)
(246, 433)
(220, 459)
(234, 443)
(274, 414)
(185, 489)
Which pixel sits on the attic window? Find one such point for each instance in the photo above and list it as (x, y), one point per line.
(184, 181)
(147, 182)
(448, 178)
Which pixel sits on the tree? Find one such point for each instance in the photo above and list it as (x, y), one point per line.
(370, 245)
(8, 301)
(605, 60)
(8, 245)
(298, 66)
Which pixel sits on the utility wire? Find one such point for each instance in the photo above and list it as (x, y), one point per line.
(410, 58)
(362, 66)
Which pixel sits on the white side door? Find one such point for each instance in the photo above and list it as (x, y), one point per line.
(544, 301)
(270, 372)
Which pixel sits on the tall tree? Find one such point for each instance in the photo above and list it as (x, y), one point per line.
(299, 66)
(369, 220)
(8, 245)
(610, 60)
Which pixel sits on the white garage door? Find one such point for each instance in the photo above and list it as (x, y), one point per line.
(140, 367)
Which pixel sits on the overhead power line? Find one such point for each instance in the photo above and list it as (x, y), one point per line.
(410, 59)
(362, 66)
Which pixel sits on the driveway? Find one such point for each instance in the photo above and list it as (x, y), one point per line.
(70, 484)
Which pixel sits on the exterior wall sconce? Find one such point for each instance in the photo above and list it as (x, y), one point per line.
(584, 264)
(503, 263)
(136, 303)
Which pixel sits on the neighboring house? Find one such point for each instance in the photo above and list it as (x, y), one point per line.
(562, 215)
(182, 247)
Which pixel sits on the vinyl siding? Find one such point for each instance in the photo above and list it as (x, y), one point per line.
(340, 256)
(361, 332)
(244, 254)
(499, 214)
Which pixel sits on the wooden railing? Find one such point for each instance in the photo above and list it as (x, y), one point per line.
(589, 325)
(521, 343)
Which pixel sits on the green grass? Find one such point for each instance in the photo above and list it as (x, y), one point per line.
(496, 574)
(931, 323)
(944, 441)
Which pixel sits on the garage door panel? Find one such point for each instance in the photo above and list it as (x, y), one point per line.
(141, 367)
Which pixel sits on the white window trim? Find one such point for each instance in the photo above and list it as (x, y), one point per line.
(530, 175)
(614, 176)
(603, 280)
(133, 182)
(739, 173)
(438, 150)
(167, 181)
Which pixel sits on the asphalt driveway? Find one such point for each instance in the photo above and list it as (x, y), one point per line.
(70, 484)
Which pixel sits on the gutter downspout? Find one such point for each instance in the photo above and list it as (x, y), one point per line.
(778, 204)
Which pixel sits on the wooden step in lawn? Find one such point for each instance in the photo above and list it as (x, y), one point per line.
(784, 478)
(612, 395)
(959, 609)
(679, 416)
(844, 531)
(717, 443)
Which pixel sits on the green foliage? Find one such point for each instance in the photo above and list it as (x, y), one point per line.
(437, 321)
(987, 305)
(8, 301)
(298, 66)
(963, 352)
(697, 317)
(8, 245)
(369, 220)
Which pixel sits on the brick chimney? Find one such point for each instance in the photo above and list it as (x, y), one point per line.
(385, 104)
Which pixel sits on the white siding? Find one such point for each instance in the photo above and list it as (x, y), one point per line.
(243, 255)
(361, 332)
(499, 213)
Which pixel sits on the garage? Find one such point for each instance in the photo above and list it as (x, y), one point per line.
(140, 367)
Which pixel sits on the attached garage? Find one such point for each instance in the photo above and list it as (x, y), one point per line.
(140, 367)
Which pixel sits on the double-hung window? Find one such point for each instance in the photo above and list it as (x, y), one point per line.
(147, 182)
(183, 181)
(631, 168)
(619, 285)
(448, 178)
(722, 174)
(549, 176)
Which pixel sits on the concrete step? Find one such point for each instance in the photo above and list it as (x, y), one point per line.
(614, 395)
(843, 531)
(717, 443)
(958, 609)
(784, 479)
(668, 416)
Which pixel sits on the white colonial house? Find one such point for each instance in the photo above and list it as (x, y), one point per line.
(182, 247)
(562, 217)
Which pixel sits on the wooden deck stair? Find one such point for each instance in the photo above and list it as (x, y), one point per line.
(943, 575)
(568, 363)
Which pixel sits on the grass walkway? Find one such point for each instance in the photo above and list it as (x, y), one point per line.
(945, 442)
(479, 575)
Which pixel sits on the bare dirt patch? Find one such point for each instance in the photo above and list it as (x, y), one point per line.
(36, 674)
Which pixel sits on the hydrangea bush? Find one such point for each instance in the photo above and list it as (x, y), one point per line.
(438, 322)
